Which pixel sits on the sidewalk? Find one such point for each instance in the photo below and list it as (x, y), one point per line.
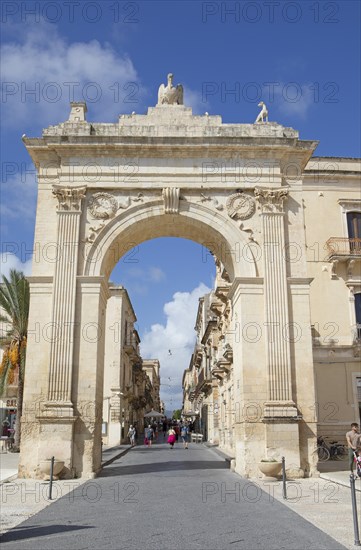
(22, 498)
(325, 501)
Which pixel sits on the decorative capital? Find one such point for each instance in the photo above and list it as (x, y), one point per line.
(271, 200)
(69, 197)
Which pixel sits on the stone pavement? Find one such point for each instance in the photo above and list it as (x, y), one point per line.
(22, 498)
(162, 498)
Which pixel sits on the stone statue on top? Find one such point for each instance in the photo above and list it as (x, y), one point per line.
(169, 94)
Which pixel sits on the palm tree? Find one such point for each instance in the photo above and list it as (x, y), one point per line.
(14, 301)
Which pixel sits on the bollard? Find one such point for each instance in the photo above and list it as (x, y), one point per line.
(354, 511)
(284, 488)
(51, 477)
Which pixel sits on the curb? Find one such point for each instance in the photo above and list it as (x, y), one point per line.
(340, 482)
(110, 460)
(7, 479)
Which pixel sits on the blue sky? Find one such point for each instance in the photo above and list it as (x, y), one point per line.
(301, 58)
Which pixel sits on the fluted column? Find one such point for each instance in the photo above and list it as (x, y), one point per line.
(64, 292)
(276, 303)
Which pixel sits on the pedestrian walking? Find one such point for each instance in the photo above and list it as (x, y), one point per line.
(131, 435)
(149, 434)
(185, 435)
(353, 438)
(171, 437)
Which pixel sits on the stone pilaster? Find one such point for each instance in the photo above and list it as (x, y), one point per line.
(64, 292)
(280, 402)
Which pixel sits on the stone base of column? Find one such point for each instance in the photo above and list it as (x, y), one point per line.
(268, 439)
(249, 447)
(280, 409)
(47, 434)
(282, 439)
(56, 434)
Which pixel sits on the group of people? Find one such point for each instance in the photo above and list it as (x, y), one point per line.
(183, 430)
(174, 429)
(171, 428)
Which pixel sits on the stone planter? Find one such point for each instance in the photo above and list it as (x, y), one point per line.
(45, 466)
(270, 469)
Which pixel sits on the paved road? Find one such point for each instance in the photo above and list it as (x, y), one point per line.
(157, 498)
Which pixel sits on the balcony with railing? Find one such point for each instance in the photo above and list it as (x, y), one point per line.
(204, 382)
(198, 355)
(343, 249)
(131, 346)
(192, 391)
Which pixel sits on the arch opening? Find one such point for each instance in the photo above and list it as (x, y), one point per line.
(196, 223)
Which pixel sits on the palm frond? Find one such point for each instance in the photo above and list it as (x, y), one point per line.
(14, 299)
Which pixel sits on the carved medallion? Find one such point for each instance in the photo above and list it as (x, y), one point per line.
(103, 206)
(240, 206)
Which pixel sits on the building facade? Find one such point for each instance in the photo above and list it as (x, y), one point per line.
(151, 367)
(238, 189)
(331, 200)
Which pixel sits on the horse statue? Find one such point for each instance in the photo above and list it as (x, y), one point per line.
(169, 94)
(263, 113)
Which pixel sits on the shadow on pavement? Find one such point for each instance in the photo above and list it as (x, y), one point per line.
(21, 533)
(120, 470)
(333, 466)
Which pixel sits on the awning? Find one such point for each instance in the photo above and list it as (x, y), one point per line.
(154, 414)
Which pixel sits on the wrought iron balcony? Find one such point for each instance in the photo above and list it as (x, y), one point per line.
(341, 248)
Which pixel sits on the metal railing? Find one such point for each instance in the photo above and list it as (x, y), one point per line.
(337, 246)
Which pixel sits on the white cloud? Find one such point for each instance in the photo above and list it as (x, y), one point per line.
(140, 279)
(59, 72)
(173, 342)
(9, 261)
(156, 274)
(293, 99)
(194, 99)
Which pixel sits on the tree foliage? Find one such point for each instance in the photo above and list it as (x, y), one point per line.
(177, 413)
(14, 301)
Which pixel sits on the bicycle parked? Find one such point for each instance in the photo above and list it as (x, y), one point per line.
(330, 451)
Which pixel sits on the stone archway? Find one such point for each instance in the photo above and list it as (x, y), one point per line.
(194, 178)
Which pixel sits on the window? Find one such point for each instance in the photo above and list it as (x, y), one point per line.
(354, 225)
(354, 231)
